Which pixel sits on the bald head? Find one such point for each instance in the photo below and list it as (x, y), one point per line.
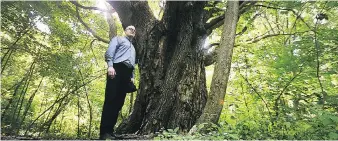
(130, 31)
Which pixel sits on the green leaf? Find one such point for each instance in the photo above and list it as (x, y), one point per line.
(287, 124)
(176, 129)
(326, 121)
(170, 130)
(233, 136)
(200, 126)
(334, 118)
(333, 136)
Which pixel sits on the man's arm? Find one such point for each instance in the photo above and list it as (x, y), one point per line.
(110, 53)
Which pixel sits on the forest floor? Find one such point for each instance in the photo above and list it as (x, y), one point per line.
(119, 137)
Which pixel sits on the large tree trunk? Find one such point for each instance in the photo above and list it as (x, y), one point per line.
(172, 91)
(220, 78)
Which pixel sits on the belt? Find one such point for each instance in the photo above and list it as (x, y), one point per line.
(127, 63)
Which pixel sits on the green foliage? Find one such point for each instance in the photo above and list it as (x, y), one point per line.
(54, 75)
(280, 87)
(320, 126)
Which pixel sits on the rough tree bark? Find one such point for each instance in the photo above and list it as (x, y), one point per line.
(172, 91)
(220, 78)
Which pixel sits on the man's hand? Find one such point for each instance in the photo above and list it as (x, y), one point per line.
(111, 72)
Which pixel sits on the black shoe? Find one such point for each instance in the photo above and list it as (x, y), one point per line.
(107, 136)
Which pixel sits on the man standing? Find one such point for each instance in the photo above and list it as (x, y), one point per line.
(120, 58)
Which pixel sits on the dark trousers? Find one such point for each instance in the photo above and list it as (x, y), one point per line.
(114, 97)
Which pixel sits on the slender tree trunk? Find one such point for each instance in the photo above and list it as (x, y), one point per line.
(52, 108)
(90, 116)
(24, 94)
(29, 103)
(10, 51)
(48, 109)
(78, 116)
(221, 74)
(6, 109)
(19, 102)
(89, 106)
(61, 107)
(17, 109)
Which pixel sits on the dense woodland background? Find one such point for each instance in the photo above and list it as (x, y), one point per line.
(283, 81)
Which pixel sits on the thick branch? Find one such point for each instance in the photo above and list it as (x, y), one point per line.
(91, 8)
(210, 46)
(250, 41)
(133, 13)
(246, 8)
(212, 24)
(124, 10)
(256, 39)
(89, 29)
(209, 55)
(218, 21)
(214, 9)
(242, 4)
(287, 9)
(278, 8)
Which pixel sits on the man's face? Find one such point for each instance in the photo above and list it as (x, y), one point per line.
(130, 32)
